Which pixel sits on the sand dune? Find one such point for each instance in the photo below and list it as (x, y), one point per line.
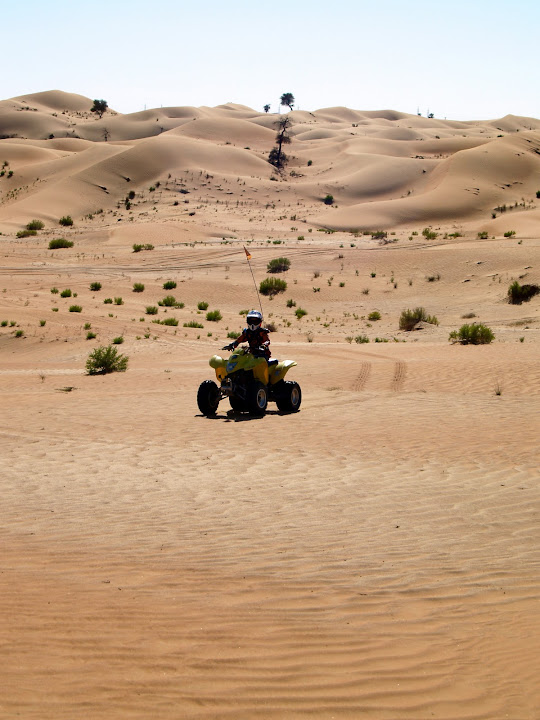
(373, 556)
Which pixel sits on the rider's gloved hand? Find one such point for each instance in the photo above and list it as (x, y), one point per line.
(230, 346)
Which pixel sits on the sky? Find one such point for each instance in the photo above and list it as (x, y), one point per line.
(461, 60)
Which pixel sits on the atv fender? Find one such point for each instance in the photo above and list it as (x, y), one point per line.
(278, 372)
(218, 363)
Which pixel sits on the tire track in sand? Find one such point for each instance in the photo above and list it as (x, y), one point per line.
(362, 377)
(400, 373)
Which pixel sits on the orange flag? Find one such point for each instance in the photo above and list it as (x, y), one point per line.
(248, 255)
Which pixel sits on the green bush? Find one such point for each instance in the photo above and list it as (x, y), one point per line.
(483, 235)
(118, 340)
(168, 301)
(54, 290)
(361, 339)
(169, 285)
(168, 321)
(66, 221)
(75, 308)
(104, 360)
(233, 334)
(65, 293)
(95, 286)
(272, 286)
(429, 234)
(474, 334)
(291, 303)
(328, 200)
(35, 225)
(193, 324)
(90, 335)
(138, 287)
(151, 310)
(108, 301)
(300, 312)
(213, 316)
(518, 294)
(410, 318)
(26, 233)
(202, 306)
(278, 265)
(118, 301)
(137, 247)
(375, 315)
(509, 233)
(60, 243)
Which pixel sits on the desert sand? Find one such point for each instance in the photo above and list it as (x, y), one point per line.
(375, 555)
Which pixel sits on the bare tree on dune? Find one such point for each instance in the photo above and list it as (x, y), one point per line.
(288, 100)
(277, 157)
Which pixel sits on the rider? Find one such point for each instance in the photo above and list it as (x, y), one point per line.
(255, 335)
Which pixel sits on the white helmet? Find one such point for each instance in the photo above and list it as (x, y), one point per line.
(254, 319)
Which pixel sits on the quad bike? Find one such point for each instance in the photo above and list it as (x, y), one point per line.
(250, 382)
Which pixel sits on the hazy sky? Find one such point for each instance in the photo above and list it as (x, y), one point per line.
(461, 59)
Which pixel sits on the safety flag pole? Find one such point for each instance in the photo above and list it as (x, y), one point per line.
(248, 256)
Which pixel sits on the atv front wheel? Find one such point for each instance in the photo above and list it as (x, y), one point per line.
(257, 398)
(208, 398)
(290, 397)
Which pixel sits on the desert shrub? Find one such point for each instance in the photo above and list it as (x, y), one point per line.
(65, 293)
(42, 323)
(137, 247)
(4, 323)
(193, 324)
(433, 278)
(202, 305)
(169, 285)
(19, 333)
(278, 265)
(95, 286)
(151, 310)
(118, 340)
(60, 243)
(138, 287)
(509, 233)
(291, 303)
(361, 339)
(66, 221)
(375, 315)
(168, 301)
(168, 321)
(75, 308)
(108, 301)
(328, 200)
(300, 312)
(483, 235)
(35, 225)
(272, 286)
(429, 234)
(474, 334)
(233, 334)
(518, 294)
(118, 301)
(26, 233)
(379, 235)
(409, 318)
(213, 316)
(104, 360)
(90, 335)
(54, 290)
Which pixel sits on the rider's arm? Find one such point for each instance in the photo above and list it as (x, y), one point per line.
(240, 339)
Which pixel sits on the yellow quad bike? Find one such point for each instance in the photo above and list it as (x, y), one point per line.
(250, 382)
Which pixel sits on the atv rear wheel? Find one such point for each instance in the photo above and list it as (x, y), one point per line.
(237, 404)
(208, 398)
(290, 397)
(257, 398)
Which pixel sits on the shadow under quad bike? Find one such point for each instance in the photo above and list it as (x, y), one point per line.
(250, 382)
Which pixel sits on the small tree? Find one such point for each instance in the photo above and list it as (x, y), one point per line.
(277, 157)
(266, 108)
(99, 107)
(287, 99)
